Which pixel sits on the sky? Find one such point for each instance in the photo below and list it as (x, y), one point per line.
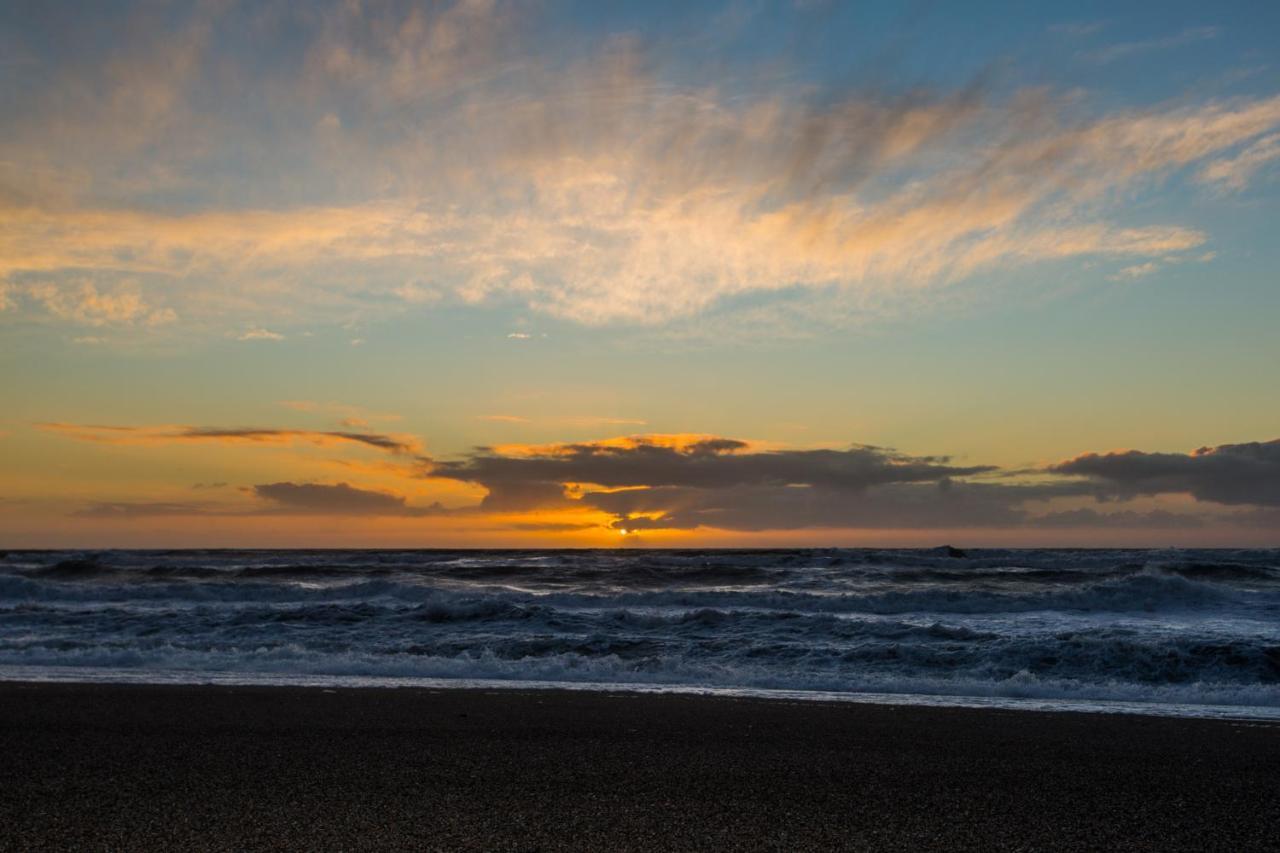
(489, 274)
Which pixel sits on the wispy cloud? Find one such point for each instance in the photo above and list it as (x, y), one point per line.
(1136, 271)
(451, 159)
(128, 510)
(143, 435)
(1124, 50)
(259, 334)
(593, 421)
(570, 420)
(1077, 29)
(349, 415)
(82, 303)
(1234, 173)
(503, 419)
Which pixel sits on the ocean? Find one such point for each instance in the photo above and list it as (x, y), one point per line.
(1187, 632)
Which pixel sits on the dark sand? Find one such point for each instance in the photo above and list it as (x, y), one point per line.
(116, 767)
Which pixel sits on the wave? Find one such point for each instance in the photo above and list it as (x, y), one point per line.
(1140, 626)
(1149, 591)
(1220, 571)
(620, 666)
(806, 645)
(644, 569)
(1142, 593)
(71, 569)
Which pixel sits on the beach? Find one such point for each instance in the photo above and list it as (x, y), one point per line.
(95, 766)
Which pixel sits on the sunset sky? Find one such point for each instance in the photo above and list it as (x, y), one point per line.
(663, 274)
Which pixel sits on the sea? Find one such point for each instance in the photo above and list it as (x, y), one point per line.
(1180, 632)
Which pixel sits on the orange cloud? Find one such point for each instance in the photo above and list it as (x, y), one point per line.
(84, 304)
(673, 485)
(600, 191)
(690, 482)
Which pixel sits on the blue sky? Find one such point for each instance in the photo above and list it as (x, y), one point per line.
(1007, 234)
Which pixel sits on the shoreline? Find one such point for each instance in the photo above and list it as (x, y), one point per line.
(253, 767)
(1020, 704)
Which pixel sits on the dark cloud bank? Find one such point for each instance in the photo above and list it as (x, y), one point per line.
(651, 482)
(1231, 474)
(721, 483)
(284, 498)
(340, 499)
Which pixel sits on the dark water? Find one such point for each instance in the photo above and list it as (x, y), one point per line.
(1155, 629)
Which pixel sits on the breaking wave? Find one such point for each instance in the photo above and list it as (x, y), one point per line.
(1162, 628)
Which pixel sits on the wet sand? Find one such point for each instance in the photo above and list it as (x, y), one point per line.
(134, 767)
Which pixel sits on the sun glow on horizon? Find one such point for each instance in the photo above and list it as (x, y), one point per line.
(488, 273)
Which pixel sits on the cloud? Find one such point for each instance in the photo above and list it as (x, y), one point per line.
(593, 421)
(259, 334)
(85, 305)
(1124, 50)
(453, 155)
(339, 499)
(396, 445)
(1234, 173)
(1077, 29)
(801, 506)
(503, 419)
(284, 498)
(523, 496)
(696, 461)
(353, 416)
(573, 420)
(1228, 474)
(685, 482)
(697, 481)
(689, 481)
(1136, 271)
(1153, 520)
(551, 526)
(398, 54)
(1267, 519)
(125, 510)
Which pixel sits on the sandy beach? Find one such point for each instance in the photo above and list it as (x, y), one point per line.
(133, 767)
